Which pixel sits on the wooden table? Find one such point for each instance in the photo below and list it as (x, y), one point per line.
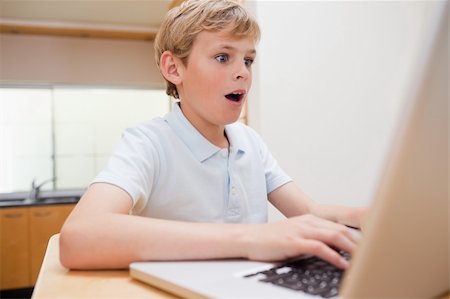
(55, 281)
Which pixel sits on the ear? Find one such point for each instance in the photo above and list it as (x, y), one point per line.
(170, 67)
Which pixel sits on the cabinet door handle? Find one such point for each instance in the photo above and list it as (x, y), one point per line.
(42, 214)
(12, 216)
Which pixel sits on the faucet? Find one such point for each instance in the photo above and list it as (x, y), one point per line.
(36, 189)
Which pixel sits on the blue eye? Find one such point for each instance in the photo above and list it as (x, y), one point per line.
(222, 58)
(248, 61)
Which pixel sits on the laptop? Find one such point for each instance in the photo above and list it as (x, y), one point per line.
(404, 251)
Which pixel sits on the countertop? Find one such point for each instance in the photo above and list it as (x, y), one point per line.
(20, 199)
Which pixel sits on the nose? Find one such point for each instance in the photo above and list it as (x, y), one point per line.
(242, 72)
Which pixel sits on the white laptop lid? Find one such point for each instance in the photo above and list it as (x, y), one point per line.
(404, 252)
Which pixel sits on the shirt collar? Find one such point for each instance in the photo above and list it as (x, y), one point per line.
(236, 139)
(200, 147)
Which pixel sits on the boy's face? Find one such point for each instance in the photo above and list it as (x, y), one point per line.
(216, 80)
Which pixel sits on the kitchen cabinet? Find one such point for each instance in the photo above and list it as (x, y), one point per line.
(25, 232)
(14, 254)
(44, 221)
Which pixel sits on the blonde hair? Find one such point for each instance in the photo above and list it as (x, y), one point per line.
(183, 23)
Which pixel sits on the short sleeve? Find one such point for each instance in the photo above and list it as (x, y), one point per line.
(132, 167)
(275, 176)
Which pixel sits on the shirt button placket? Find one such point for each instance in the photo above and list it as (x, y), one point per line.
(233, 192)
(233, 209)
(233, 213)
(224, 153)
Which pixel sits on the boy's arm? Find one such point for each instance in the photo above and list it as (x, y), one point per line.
(100, 234)
(290, 200)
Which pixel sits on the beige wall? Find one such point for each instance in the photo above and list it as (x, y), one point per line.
(79, 61)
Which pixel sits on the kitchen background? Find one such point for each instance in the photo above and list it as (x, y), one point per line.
(329, 86)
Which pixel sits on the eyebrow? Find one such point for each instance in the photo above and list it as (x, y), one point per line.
(231, 48)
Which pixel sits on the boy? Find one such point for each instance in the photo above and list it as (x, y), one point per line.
(195, 184)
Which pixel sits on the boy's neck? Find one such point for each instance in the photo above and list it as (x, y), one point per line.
(218, 138)
(213, 133)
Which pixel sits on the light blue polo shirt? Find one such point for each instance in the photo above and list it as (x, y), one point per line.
(172, 172)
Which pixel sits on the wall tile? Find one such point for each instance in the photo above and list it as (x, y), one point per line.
(74, 171)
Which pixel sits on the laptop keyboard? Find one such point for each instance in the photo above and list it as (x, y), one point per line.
(311, 275)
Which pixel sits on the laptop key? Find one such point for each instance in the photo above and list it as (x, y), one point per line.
(310, 275)
(275, 277)
(331, 293)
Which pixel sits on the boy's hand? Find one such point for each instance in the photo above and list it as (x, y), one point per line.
(358, 217)
(299, 235)
(290, 200)
(351, 216)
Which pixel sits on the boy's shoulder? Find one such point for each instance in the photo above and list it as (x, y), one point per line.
(152, 131)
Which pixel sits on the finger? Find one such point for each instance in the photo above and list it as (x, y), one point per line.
(356, 233)
(321, 250)
(321, 223)
(335, 238)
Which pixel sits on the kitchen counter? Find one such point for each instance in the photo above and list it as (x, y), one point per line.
(19, 199)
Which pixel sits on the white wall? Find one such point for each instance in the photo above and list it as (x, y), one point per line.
(88, 124)
(25, 138)
(328, 86)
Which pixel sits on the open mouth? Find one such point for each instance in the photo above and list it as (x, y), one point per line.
(236, 96)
